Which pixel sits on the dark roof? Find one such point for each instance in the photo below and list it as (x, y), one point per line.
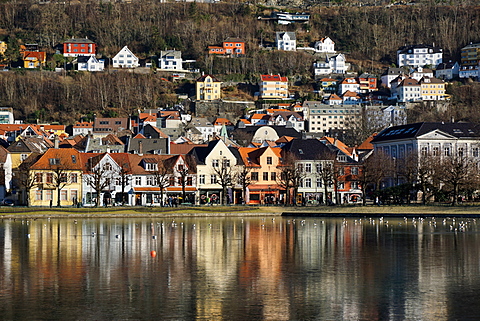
(405, 49)
(459, 130)
(149, 145)
(308, 149)
(78, 40)
(200, 153)
(202, 78)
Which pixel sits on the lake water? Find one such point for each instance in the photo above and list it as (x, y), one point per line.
(240, 269)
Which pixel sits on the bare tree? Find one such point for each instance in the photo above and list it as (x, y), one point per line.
(326, 171)
(374, 170)
(291, 176)
(224, 175)
(24, 177)
(162, 178)
(183, 172)
(124, 178)
(60, 177)
(427, 174)
(244, 179)
(98, 177)
(458, 171)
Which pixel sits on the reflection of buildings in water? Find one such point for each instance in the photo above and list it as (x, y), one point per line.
(350, 269)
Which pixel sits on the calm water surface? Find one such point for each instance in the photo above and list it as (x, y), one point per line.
(240, 269)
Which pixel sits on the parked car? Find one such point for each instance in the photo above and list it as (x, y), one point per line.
(7, 202)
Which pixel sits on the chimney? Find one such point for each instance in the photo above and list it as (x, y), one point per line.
(140, 148)
(55, 142)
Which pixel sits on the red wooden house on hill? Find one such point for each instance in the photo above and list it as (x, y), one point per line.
(79, 47)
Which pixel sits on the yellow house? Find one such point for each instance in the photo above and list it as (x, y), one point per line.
(208, 88)
(3, 47)
(264, 165)
(58, 178)
(25, 146)
(273, 87)
(34, 59)
(432, 88)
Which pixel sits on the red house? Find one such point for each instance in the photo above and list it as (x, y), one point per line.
(231, 46)
(79, 47)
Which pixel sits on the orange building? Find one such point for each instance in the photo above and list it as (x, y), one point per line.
(231, 46)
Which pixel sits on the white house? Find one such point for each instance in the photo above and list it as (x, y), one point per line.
(212, 160)
(286, 41)
(289, 118)
(170, 60)
(104, 171)
(125, 59)
(409, 90)
(325, 45)
(420, 72)
(390, 74)
(348, 84)
(5, 172)
(419, 56)
(331, 65)
(447, 71)
(90, 63)
(429, 138)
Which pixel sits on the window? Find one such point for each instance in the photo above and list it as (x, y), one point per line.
(300, 168)
(23, 157)
(319, 167)
(38, 178)
(213, 179)
(49, 195)
(308, 168)
(107, 167)
(319, 182)
(215, 163)
(73, 178)
(138, 180)
(341, 185)
(63, 177)
(201, 179)
(265, 176)
(269, 161)
(273, 176)
(171, 181)
(308, 182)
(189, 181)
(446, 151)
(38, 195)
(254, 176)
(354, 170)
(226, 162)
(424, 151)
(435, 151)
(354, 185)
(54, 161)
(49, 178)
(475, 152)
(150, 180)
(63, 195)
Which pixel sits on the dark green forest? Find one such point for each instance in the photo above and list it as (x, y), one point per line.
(369, 35)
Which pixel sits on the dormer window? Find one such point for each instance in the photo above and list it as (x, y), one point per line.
(54, 161)
(151, 166)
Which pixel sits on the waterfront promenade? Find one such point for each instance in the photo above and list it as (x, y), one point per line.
(187, 211)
